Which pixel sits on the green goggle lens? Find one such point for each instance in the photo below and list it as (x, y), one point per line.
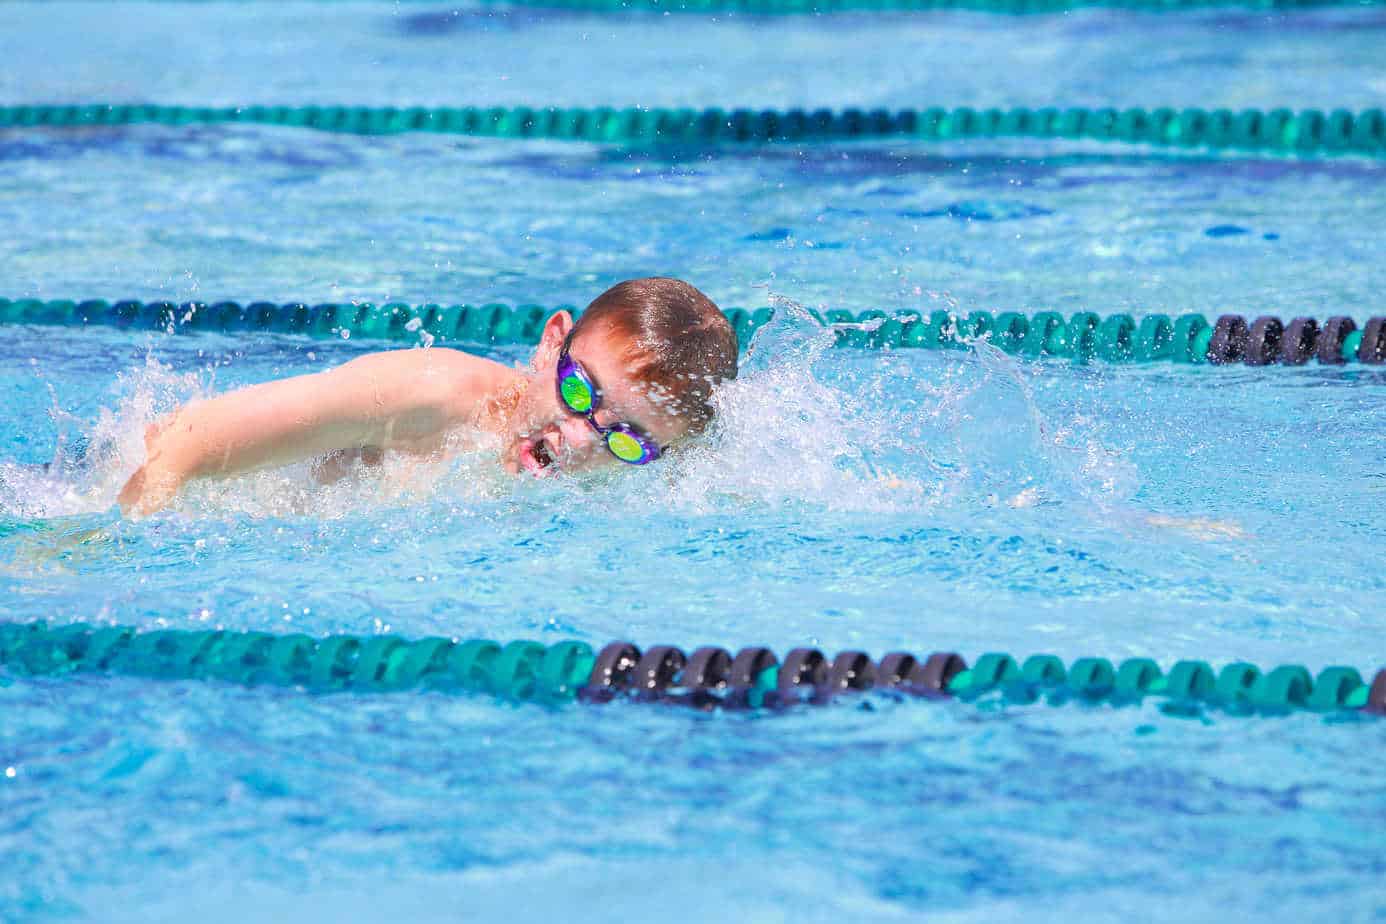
(580, 395)
(576, 394)
(624, 446)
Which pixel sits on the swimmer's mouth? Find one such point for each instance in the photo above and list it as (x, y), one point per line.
(541, 454)
(537, 458)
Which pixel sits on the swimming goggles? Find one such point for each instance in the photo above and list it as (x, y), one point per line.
(579, 394)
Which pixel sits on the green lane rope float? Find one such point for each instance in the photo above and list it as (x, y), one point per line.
(1083, 336)
(1278, 131)
(708, 678)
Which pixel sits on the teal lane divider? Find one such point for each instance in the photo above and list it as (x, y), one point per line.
(1278, 131)
(1083, 336)
(708, 678)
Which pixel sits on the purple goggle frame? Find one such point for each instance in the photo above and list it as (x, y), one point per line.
(622, 440)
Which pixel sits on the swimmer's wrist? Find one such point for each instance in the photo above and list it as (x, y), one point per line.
(174, 460)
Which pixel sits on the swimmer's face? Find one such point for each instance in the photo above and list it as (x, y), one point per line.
(545, 435)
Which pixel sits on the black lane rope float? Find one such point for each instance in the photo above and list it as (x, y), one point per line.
(1278, 131)
(708, 678)
(1084, 336)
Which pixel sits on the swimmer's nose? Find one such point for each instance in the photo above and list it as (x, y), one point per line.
(578, 435)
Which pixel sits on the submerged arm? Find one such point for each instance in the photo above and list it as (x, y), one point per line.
(383, 400)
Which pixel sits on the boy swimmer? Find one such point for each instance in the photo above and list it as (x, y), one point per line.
(631, 377)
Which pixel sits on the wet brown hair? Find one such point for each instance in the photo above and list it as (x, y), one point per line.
(678, 341)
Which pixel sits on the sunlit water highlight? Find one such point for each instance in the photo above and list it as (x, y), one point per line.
(874, 500)
(845, 499)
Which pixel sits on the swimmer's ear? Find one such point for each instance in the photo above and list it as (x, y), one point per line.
(555, 331)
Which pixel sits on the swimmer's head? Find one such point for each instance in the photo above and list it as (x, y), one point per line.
(655, 349)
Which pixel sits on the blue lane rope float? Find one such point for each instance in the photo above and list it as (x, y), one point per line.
(1004, 7)
(1277, 131)
(1084, 336)
(708, 678)
(1007, 7)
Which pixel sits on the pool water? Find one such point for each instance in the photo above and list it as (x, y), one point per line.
(845, 499)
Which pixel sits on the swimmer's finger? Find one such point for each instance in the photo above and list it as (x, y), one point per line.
(129, 495)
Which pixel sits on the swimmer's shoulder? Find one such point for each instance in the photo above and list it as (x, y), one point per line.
(455, 381)
(446, 380)
(459, 370)
(430, 363)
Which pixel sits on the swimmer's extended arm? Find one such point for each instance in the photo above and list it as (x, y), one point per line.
(384, 400)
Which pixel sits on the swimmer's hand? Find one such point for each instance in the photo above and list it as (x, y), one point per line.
(158, 481)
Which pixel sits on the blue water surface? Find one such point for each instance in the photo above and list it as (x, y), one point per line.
(913, 500)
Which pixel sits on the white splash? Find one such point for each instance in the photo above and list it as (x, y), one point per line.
(803, 424)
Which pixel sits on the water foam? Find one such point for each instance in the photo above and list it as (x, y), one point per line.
(907, 432)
